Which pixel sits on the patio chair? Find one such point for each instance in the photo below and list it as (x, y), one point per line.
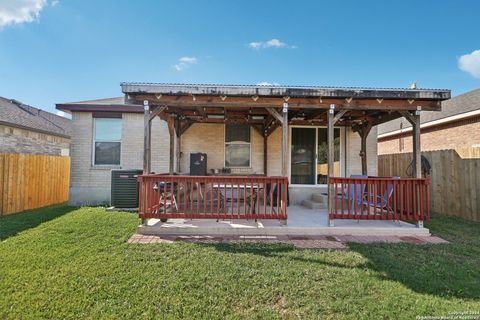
(273, 200)
(382, 201)
(354, 192)
(166, 199)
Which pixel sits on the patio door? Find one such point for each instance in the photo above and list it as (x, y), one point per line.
(303, 156)
(309, 149)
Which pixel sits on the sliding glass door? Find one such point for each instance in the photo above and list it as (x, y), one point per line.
(309, 152)
(303, 156)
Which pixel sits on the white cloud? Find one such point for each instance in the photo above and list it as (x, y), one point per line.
(275, 43)
(470, 63)
(20, 11)
(60, 113)
(255, 45)
(184, 62)
(272, 43)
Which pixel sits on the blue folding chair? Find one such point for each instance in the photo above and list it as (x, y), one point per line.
(382, 201)
(354, 192)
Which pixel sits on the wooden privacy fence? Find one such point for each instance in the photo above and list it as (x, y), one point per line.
(32, 181)
(454, 180)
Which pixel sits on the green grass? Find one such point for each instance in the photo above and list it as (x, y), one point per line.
(67, 263)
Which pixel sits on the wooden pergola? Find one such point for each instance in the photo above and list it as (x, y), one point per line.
(266, 108)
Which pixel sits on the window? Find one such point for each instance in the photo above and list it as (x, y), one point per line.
(237, 146)
(107, 141)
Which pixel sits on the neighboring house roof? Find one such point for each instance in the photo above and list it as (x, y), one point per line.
(16, 114)
(459, 107)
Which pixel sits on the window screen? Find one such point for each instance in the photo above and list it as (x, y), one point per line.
(107, 144)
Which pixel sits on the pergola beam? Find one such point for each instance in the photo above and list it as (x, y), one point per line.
(293, 102)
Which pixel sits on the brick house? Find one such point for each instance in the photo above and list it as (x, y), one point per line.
(305, 134)
(90, 179)
(25, 129)
(457, 125)
(91, 120)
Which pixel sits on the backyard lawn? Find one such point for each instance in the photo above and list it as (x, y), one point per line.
(68, 263)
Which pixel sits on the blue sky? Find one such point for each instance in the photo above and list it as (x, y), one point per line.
(68, 50)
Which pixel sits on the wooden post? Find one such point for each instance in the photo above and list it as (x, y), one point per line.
(417, 155)
(179, 141)
(332, 119)
(330, 160)
(363, 131)
(417, 152)
(265, 153)
(171, 131)
(146, 138)
(285, 140)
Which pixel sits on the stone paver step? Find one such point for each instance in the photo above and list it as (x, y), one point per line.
(318, 197)
(313, 204)
(300, 242)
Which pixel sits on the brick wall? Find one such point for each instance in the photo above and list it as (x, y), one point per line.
(90, 184)
(15, 140)
(450, 137)
(209, 138)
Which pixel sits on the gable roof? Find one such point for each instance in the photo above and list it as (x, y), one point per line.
(17, 114)
(463, 104)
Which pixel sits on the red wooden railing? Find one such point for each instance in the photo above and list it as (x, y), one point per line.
(373, 198)
(212, 197)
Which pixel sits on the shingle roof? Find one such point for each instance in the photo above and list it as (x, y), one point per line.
(15, 113)
(463, 103)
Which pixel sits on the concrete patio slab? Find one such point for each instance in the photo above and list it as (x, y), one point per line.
(301, 222)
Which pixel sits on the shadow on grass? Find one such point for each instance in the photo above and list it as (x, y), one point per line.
(446, 270)
(275, 250)
(13, 224)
